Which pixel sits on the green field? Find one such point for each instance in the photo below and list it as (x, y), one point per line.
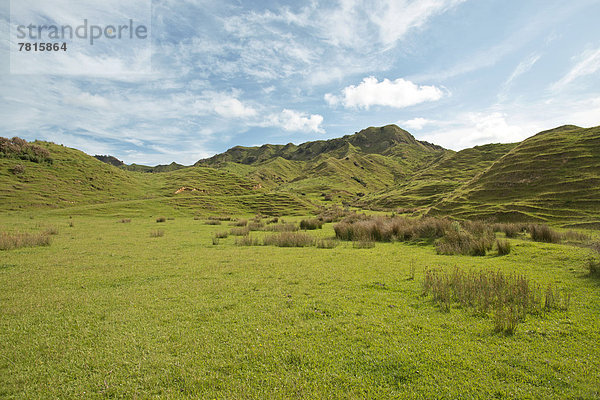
(107, 311)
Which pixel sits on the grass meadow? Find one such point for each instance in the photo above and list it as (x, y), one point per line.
(112, 310)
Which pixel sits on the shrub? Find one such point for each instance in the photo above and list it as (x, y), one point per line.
(543, 233)
(221, 235)
(212, 222)
(503, 247)
(157, 233)
(511, 230)
(575, 236)
(18, 169)
(241, 222)
(240, 231)
(215, 241)
(311, 224)
(289, 239)
(125, 220)
(9, 241)
(273, 220)
(161, 219)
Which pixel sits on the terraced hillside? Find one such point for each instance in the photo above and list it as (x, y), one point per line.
(440, 179)
(552, 176)
(71, 178)
(345, 168)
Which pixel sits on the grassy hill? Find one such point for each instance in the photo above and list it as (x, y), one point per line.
(552, 176)
(80, 183)
(440, 179)
(341, 169)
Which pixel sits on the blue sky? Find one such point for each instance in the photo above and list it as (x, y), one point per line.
(453, 72)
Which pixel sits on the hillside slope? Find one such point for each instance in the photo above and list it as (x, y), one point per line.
(345, 168)
(439, 179)
(552, 176)
(73, 178)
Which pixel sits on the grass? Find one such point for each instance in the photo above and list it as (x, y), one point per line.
(15, 240)
(107, 311)
(289, 239)
(509, 297)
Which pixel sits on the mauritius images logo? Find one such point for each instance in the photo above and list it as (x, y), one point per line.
(82, 38)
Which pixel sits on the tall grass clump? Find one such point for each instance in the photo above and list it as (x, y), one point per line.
(510, 230)
(240, 222)
(221, 235)
(289, 239)
(311, 224)
(508, 297)
(157, 233)
(15, 240)
(389, 229)
(220, 218)
(125, 221)
(247, 241)
(283, 227)
(543, 233)
(326, 243)
(161, 219)
(239, 231)
(256, 226)
(503, 247)
(212, 222)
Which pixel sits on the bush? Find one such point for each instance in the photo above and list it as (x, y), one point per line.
(311, 224)
(9, 241)
(289, 239)
(503, 247)
(543, 233)
(125, 220)
(18, 169)
(215, 241)
(212, 222)
(241, 222)
(221, 235)
(161, 219)
(19, 148)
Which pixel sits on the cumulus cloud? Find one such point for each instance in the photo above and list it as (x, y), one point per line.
(294, 121)
(416, 123)
(399, 93)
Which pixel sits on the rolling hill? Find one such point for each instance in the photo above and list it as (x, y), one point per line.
(553, 176)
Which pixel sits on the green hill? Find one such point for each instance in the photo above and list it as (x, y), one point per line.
(344, 168)
(68, 178)
(552, 176)
(439, 179)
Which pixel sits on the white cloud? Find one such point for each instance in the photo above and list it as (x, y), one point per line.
(294, 121)
(416, 123)
(398, 94)
(476, 128)
(523, 67)
(589, 63)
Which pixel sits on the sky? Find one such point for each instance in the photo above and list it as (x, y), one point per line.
(215, 74)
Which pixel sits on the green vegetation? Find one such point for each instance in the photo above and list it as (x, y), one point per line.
(108, 311)
(369, 266)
